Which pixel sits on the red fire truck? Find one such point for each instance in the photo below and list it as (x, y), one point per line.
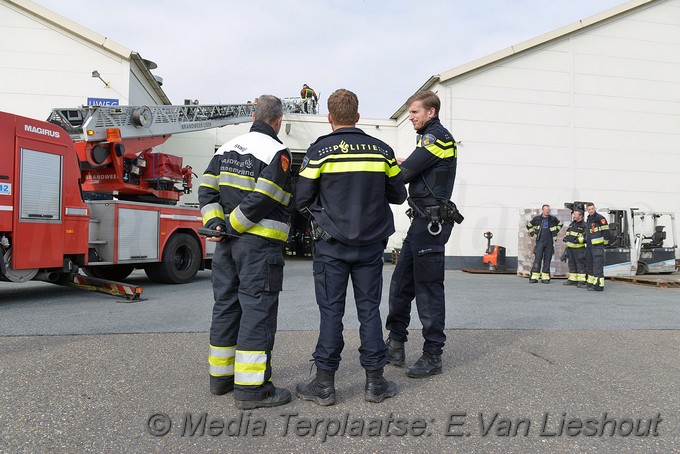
(85, 190)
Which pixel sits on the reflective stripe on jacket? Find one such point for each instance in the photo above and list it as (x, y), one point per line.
(536, 225)
(247, 184)
(347, 180)
(575, 236)
(597, 230)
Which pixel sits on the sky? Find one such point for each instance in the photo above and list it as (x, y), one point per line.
(228, 51)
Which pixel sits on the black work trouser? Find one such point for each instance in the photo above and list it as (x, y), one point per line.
(577, 264)
(247, 276)
(595, 265)
(419, 274)
(543, 252)
(334, 263)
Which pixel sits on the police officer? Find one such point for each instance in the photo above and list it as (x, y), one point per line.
(597, 237)
(419, 273)
(544, 228)
(576, 250)
(347, 181)
(245, 192)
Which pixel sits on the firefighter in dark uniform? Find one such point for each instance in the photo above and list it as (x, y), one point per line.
(597, 237)
(245, 192)
(309, 99)
(430, 171)
(544, 228)
(576, 250)
(347, 181)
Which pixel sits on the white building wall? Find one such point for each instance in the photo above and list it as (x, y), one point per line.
(591, 116)
(46, 62)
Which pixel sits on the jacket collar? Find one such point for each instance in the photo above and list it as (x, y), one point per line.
(427, 125)
(353, 130)
(264, 128)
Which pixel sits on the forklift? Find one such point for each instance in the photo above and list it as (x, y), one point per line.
(629, 251)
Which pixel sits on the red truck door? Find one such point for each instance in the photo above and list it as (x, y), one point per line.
(38, 212)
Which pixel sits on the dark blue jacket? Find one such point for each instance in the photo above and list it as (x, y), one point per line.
(433, 161)
(347, 180)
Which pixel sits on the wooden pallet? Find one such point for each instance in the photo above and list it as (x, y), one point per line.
(487, 271)
(661, 281)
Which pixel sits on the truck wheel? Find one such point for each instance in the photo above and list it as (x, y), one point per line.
(109, 272)
(180, 262)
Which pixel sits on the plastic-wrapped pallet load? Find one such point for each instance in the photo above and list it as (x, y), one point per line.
(525, 249)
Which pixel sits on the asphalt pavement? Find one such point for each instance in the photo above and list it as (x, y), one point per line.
(527, 368)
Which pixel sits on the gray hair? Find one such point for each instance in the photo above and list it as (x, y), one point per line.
(268, 108)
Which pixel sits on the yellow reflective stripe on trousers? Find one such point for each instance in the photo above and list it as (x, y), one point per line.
(535, 275)
(273, 190)
(210, 211)
(249, 367)
(210, 181)
(545, 276)
(221, 360)
(234, 180)
(581, 277)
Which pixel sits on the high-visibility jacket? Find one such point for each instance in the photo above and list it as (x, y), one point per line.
(308, 93)
(246, 187)
(432, 164)
(347, 180)
(575, 236)
(536, 225)
(597, 230)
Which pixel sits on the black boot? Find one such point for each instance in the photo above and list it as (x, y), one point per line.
(377, 388)
(321, 390)
(221, 385)
(428, 364)
(396, 354)
(569, 282)
(276, 397)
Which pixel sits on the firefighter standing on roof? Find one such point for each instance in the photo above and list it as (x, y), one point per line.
(597, 237)
(309, 99)
(347, 181)
(419, 273)
(544, 228)
(245, 191)
(576, 252)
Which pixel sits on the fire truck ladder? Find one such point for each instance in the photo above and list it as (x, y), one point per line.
(90, 124)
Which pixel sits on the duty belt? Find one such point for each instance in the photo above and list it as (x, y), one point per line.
(445, 212)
